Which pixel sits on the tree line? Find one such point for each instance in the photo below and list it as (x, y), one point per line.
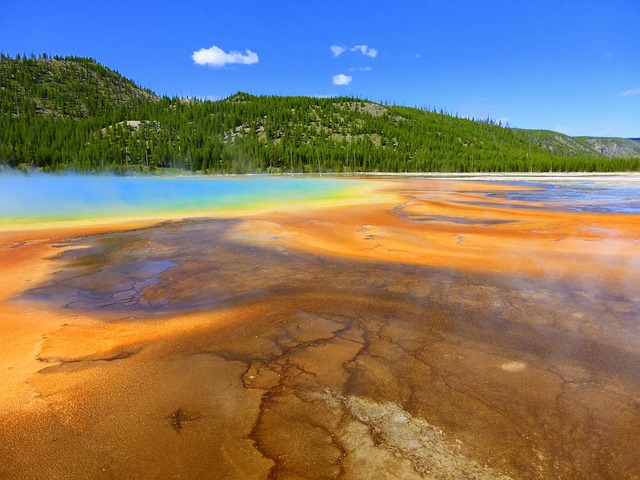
(74, 114)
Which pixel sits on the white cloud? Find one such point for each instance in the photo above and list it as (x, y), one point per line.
(337, 50)
(633, 91)
(341, 79)
(365, 69)
(216, 57)
(365, 50)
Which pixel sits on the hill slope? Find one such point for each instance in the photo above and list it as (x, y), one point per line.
(71, 112)
(73, 87)
(610, 147)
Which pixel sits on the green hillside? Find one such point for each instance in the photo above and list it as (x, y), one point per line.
(576, 146)
(73, 87)
(73, 113)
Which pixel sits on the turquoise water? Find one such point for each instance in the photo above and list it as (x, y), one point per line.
(29, 199)
(26, 199)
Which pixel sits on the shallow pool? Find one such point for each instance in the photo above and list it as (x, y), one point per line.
(27, 199)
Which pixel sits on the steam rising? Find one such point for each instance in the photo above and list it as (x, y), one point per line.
(41, 197)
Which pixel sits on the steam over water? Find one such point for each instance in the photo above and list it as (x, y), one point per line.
(37, 198)
(33, 198)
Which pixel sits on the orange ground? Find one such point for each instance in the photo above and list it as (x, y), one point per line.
(80, 381)
(434, 222)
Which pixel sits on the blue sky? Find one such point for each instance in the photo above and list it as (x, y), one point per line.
(571, 66)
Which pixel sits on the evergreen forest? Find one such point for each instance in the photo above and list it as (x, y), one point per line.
(72, 113)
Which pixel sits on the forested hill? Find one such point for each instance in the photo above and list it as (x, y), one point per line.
(73, 87)
(73, 113)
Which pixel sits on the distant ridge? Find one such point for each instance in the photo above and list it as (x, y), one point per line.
(61, 113)
(575, 146)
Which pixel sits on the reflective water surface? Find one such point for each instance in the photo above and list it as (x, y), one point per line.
(582, 195)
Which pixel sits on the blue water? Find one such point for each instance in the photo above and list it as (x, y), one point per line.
(27, 199)
(614, 197)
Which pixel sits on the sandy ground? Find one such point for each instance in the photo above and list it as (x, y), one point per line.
(430, 331)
